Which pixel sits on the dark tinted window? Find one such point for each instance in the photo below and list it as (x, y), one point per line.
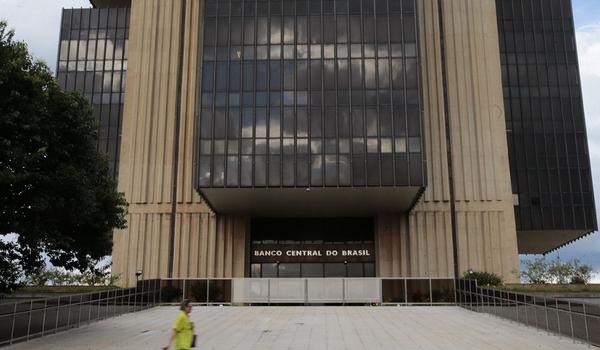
(342, 77)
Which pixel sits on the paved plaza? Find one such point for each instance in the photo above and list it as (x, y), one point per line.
(312, 328)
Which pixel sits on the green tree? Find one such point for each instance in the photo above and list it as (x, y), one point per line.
(582, 274)
(536, 271)
(10, 271)
(55, 189)
(560, 271)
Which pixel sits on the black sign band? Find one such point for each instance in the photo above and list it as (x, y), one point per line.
(270, 253)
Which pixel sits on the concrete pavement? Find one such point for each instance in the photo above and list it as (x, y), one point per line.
(299, 327)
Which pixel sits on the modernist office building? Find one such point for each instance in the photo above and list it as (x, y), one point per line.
(328, 138)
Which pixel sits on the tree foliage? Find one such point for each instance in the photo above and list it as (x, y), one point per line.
(582, 273)
(560, 271)
(95, 276)
(536, 271)
(540, 271)
(10, 272)
(55, 189)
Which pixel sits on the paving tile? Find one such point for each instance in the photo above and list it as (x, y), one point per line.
(314, 328)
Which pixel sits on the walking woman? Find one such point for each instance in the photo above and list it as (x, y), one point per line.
(183, 328)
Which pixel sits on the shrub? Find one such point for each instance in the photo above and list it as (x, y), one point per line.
(536, 271)
(484, 279)
(560, 271)
(582, 274)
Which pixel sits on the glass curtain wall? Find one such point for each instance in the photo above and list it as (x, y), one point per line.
(92, 59)
(309, 93)
(548, 150)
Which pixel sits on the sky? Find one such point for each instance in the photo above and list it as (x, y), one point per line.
(37, 23)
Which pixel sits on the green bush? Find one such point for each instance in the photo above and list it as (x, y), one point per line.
(484, 279)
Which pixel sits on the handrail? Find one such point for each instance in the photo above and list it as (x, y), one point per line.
(577, 320)
(23, 320)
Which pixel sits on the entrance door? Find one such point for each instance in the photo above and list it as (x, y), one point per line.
(312, 247)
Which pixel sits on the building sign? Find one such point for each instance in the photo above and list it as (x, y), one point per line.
(312, 253)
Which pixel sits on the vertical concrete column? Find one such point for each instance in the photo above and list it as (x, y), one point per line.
(205, 244)
(470, 99)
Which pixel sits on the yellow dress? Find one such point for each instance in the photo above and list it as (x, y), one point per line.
(184, 332)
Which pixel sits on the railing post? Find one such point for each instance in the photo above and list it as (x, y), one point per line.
(587, 332)
(557, 316)
(405, 292)
(430, 294)
(269, 291)
(12, 331)
(535, 310)
(79, 313)
(571, 321)
(495, 312)
(546, 312)
(463, 294)
(183, 289)
(159, 291)
(481, 292)
(457, 292)
(98, 308)
(115, 297)
(44, 317)
(207, 291)
(155, 291)
(29, 320)
(135, 296)
(517, 307)
(526, 307)
(142, 299)
(305, 291)
(343, 291)
(69, 311)
(57, 314)
(90, 308)
(468, 296)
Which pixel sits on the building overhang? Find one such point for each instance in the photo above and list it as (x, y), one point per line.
(111, 3)
(311, 202)
(545, 241)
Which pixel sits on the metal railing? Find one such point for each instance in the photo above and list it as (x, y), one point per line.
(24, 320)
(576, 320)
(204, 291)
(244, 291)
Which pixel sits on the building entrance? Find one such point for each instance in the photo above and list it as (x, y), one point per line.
(312, 247)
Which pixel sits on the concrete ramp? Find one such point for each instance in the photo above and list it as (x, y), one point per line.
(438, 327)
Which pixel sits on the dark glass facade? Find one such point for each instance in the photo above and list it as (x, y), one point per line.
(548, 150)
(92, 59)
(309, 93)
